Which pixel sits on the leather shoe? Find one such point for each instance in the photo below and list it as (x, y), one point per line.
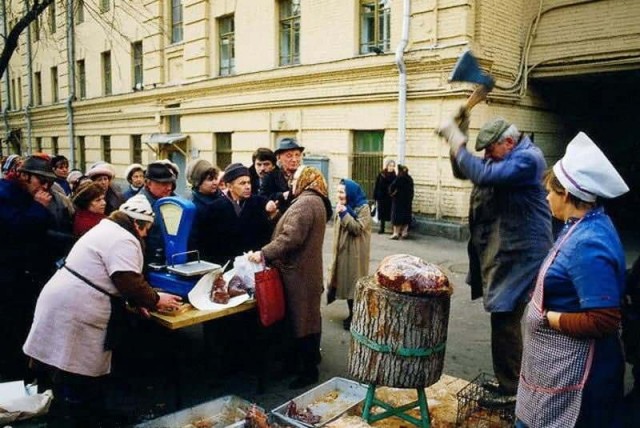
(497, 401)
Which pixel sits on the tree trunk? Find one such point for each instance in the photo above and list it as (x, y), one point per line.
(397, 339)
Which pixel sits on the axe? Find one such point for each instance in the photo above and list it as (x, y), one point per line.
(468, 70)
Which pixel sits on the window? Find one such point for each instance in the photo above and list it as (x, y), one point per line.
(176, 21)
(54, 85)
(106, 73)
(375, 26)
(54, 145)
(223, 149)
(136, 60)
(79, 12)
(37, 80)
(226, 29)
(35, 27)
(105, 5)
(289, 32)
(39, 144)
(105, 143)
(136, 149)
(81, 75)
(367, 158)
(81, 157)
(174, 123)
(52, 17)
(13, 94)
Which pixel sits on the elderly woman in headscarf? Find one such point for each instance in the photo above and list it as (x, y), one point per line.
(572, 362)
(381, 192)
(71, 338)
(351, 244)
(296, 250)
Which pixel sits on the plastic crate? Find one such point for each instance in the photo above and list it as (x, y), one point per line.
(472, 414)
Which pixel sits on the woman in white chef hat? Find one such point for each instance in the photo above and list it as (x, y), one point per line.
(572, 362)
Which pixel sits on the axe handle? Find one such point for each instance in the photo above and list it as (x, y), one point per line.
(478, 95)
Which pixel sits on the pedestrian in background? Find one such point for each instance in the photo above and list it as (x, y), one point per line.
(351, 244)
(263, 161)
(572, 363)
(134, 175)
(296, 250)
(401, 192)
(60, 165)
(103, 174)
(381, 193)
(510, 228)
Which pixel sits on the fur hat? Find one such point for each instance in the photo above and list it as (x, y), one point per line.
(102, 168)
(234, 171)
(198, 171)
(134, 167)
(139, 208)
(86, 193)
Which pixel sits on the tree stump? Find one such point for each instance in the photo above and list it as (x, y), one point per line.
(397, 340)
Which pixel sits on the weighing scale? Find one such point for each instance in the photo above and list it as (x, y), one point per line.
(178, 275)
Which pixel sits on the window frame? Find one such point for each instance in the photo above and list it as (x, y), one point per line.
(226, 44)
(81, 76)
(176, 21)
(105, 147)
(37, 80)
(380, 17)
(136, 148)
(137, 64)
(55, 90)
(107, 88)
(289, 14)
(224, 148)
(79, 12)
(52, 17)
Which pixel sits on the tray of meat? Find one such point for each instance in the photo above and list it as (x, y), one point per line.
(215, 291)
(225, 412)
(322, 404)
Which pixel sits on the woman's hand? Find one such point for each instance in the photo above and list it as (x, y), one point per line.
(553, 318)
(340, 207)
(271, 207)
(255, 257)
(168, 302)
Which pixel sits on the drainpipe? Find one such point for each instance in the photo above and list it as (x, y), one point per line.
(402, 84)
(5, 113)
(27, 108)
(71, 66)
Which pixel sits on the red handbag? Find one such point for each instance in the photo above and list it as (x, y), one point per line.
(269, 296)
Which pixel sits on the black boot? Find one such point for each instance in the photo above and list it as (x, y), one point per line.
(309, 349)
(381, 229)
(346, 323)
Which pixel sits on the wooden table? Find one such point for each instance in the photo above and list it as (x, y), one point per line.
(195, 316)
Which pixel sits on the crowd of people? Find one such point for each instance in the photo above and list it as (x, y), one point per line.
(556, 309)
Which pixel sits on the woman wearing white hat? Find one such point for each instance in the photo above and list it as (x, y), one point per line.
(70, 341)
(572, 363)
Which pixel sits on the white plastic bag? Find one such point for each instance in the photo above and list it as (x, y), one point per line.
(374, 212)
(246, 270)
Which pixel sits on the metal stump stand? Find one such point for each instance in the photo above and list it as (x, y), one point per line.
(371, 400)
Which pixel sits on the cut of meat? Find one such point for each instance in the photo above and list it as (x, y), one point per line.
(410, 274)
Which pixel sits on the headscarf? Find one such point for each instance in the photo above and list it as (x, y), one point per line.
(310, 178)
(355, 196)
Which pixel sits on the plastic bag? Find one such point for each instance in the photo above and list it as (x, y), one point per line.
(246, 270)
(374, 213)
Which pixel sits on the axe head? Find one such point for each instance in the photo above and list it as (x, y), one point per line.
(468, 70)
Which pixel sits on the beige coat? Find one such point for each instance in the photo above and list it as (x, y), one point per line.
(351, 248)
(296, 249)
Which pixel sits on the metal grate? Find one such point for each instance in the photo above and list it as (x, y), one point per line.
(472, 414)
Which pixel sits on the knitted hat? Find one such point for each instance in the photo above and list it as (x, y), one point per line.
(491, 132)
(138, 207)
(99, 169)
(198, 171)
(86, 193)
(38, 166)
(161, 172)
(134, 167)
(234, 171)
(10, 162)
(74, 175)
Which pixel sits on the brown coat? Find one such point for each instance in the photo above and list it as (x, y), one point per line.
(351, 249)
(296, 249)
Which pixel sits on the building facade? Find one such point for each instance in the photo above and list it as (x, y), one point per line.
(217, 79)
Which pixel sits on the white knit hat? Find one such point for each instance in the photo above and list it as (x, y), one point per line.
(587, 173)
(131, 169)
(138, 207)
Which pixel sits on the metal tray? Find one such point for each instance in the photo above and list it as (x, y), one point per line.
(223, 412)
(197, 267)
(329, 400)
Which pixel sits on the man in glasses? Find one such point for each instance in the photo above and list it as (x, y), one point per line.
(24, 260)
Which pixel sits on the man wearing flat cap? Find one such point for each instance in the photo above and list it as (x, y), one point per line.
(159, 182)
(510, 228)
(24, 260)
(277, 185)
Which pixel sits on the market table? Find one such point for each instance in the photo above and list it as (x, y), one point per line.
(195, 316)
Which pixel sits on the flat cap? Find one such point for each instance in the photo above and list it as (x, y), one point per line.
(491, 132)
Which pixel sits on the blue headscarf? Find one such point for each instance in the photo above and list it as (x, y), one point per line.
(355, 196)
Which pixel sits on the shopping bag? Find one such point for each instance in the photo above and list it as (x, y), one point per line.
(269, 296)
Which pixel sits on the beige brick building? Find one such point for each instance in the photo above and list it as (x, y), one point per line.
(229, 76)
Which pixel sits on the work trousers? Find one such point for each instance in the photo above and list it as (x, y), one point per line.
(506, 347)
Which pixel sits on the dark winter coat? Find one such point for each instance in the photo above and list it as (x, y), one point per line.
(154, 248)
(273, 187)
(382, 196)
(228, 235)
(201, 229)
(509, 222)
(401, 191)
(296, 249)
(114, 199)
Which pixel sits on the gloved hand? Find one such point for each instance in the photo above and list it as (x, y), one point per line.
(449, 130)
(462, 119)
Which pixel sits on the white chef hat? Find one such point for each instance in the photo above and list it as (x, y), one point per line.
(587, 173)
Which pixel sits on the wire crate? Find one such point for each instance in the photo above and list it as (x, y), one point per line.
(472, 415)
